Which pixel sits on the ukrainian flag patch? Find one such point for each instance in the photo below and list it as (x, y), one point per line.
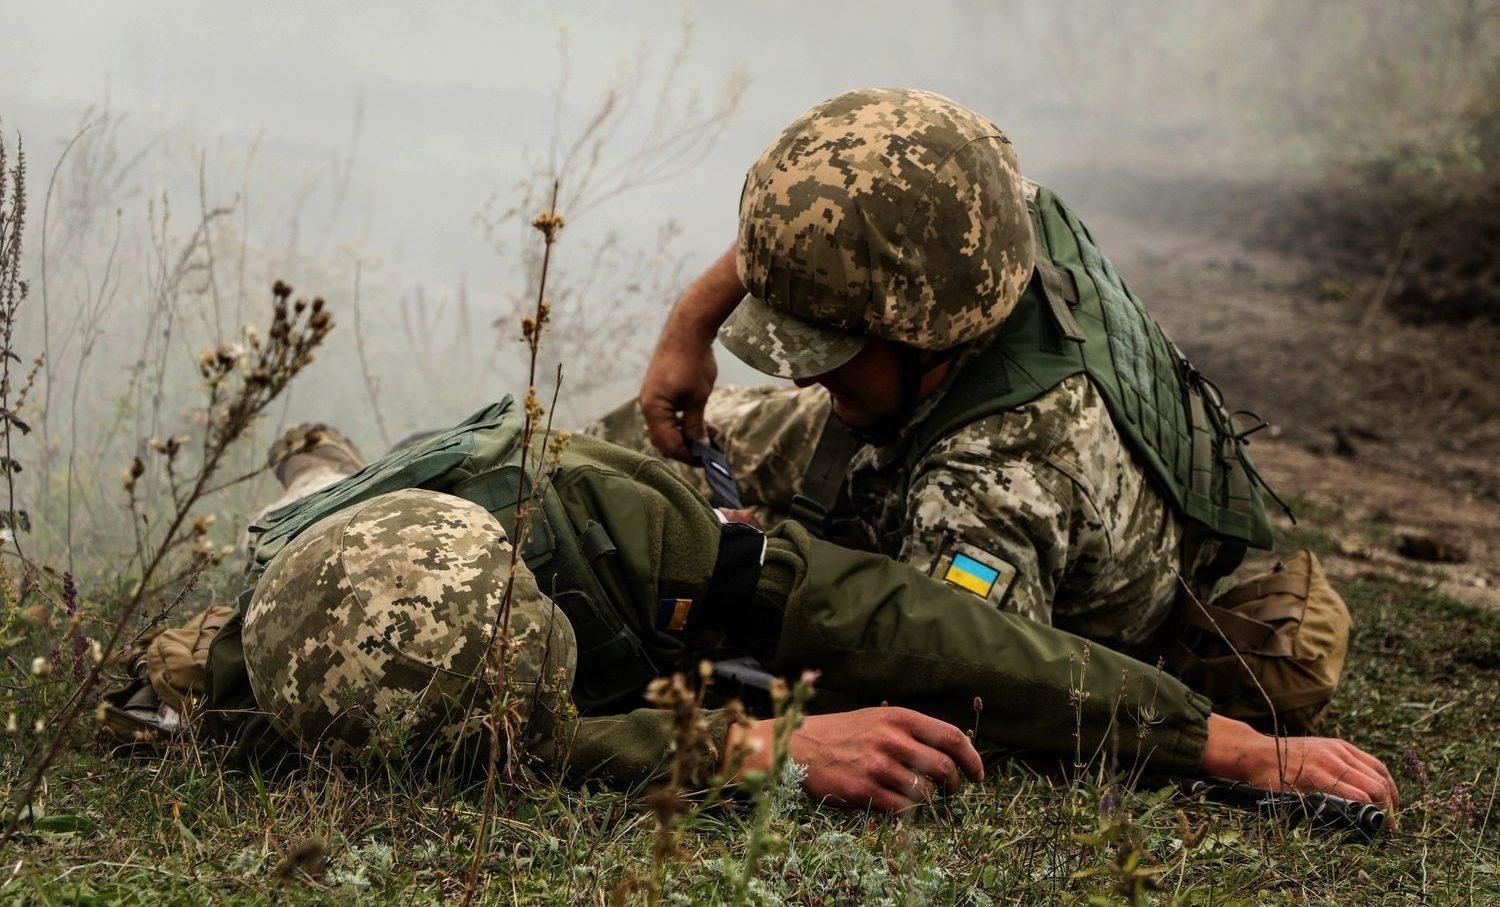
(989, 578)
(672, 613)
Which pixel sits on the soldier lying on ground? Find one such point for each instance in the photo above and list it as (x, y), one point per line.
(993, 406)
(379, 595)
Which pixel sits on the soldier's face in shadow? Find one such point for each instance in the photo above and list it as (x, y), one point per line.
(867, 388)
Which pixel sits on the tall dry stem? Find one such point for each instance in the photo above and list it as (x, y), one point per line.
(501, 741)
(241, 381)
(13, 292)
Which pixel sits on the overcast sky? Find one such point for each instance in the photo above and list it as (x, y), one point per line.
(457, 99)
(453, 95)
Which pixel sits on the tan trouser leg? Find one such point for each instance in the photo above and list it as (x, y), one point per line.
(303, 483)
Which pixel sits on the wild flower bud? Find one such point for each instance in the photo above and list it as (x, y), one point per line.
(778, 690)
(137, 469)
(548, 223)
(157, 445)
(96, 651)
(12, 726)
(41, 666)
(280, 290)
(317, 304)
(319, 320)
(299, 307)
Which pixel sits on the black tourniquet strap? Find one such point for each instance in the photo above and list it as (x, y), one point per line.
(725, 491)
(731, 589)
(837, 445)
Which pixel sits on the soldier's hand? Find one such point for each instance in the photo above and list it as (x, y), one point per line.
(887, 759)
(1236, 751)
(682, 370)
(673, 393)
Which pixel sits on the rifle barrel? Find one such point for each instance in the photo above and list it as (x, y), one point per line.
(1318, 809)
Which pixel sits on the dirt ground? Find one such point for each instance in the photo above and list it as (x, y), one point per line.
(1389, 430)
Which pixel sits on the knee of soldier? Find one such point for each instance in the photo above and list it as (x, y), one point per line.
(381, 626)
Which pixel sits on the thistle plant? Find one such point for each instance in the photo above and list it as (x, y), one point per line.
(13, 292)
(240, 381)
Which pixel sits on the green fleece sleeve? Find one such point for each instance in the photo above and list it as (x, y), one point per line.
(629, 750)
(879, 629)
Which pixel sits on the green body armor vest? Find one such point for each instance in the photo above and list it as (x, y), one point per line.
(594, 543)
(1077, 317)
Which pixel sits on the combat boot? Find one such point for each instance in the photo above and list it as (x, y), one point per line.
(312, 445)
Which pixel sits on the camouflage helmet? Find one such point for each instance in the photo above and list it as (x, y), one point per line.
(883, 212)
(385, 612)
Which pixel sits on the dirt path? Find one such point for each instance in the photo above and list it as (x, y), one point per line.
(1387, 435)
(1373, 513)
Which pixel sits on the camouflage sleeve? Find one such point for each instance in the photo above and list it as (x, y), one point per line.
(768, 434)
(1004, 505)
(629, 750)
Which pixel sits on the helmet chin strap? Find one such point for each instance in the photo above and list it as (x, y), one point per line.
(914, 369)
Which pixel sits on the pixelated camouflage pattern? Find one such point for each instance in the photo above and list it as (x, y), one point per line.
(1049, 488)
(385, 612)
(784, 345)
(887, 212)
(768, 435)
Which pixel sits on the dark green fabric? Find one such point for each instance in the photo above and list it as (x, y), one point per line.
(879, 630)
(648, 536)
(1170, 419)
(872, 625)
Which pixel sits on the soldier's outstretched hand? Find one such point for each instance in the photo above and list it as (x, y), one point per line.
(887, 759)
(1322, 764)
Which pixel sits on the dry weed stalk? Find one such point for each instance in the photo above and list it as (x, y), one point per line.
(691, 748)
(643, 131)
(241, 381)
(13, 292)
(790, 708)
(503, 708)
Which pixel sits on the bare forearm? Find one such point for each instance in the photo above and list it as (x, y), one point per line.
(707, 302)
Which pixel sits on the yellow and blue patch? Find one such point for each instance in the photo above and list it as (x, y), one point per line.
(985, 576)
(672, 613)
(967, 573)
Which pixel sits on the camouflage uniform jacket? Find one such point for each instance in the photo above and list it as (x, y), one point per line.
(1047, 495)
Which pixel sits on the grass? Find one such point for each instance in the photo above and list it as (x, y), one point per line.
(1423, 693)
